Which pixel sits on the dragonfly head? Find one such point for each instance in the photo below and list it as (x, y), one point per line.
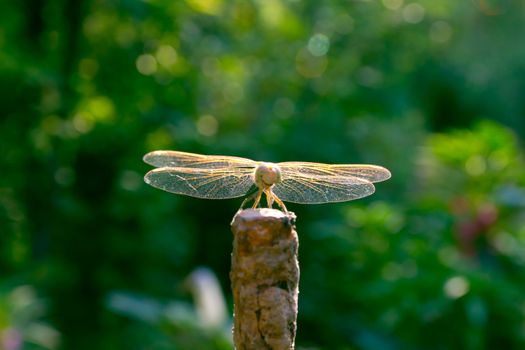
(267, 174)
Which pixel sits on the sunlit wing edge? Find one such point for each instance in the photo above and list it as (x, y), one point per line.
(193, 160)
(377, 173)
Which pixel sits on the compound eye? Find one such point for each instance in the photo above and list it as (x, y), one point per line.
(271, 175)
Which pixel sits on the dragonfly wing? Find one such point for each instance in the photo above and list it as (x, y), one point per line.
(193, 160)
(372, 173)
(201, 183)
(307, 189)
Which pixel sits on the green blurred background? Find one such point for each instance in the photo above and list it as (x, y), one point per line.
(93, 258)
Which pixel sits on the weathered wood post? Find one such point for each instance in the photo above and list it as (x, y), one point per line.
(264, 277)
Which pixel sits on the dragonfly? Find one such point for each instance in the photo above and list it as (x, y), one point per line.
(222, 177)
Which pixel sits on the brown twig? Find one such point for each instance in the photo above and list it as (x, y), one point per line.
(264, 277)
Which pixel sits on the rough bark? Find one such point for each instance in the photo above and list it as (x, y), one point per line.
(264, 277)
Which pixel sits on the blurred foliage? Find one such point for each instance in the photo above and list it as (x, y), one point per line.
(430, 89)
(441, 268)
(20, 327)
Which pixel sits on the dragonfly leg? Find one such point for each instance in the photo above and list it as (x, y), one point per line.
(257, 199)
(247, 199)
(243, 203)
(269, 198)
(277, 200)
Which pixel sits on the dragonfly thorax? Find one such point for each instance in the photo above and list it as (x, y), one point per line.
(267, 174)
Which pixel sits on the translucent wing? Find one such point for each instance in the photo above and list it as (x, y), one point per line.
(312, 183)
(202, 183)
(372, 173)
(192, 160)
(300, 188)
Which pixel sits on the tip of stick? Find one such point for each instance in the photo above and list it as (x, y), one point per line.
(263, 214)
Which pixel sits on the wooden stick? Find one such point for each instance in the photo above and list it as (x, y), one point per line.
(264, 277)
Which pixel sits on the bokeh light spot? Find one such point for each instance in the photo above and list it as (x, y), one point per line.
(448, 256)
(440, 32)
(101, 108)
(210, 67)
(233, 92)
(51, 125)
(159, 139)
(493, 7)
(456, 287)
(413, 13)
(475, 165)
(146, 64)
(166, 56)
(51, 99)
(89, 112)
(210, 7)
(368, 76)
(94, 24)
(272, 12)
(391, 271)
(130, 180)
(207, 125)
(10, 205)
(506, 244)
(82, 123)
(498, 160)
(64, 176)
(125, 34)
(318, 45)
(392, 4)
